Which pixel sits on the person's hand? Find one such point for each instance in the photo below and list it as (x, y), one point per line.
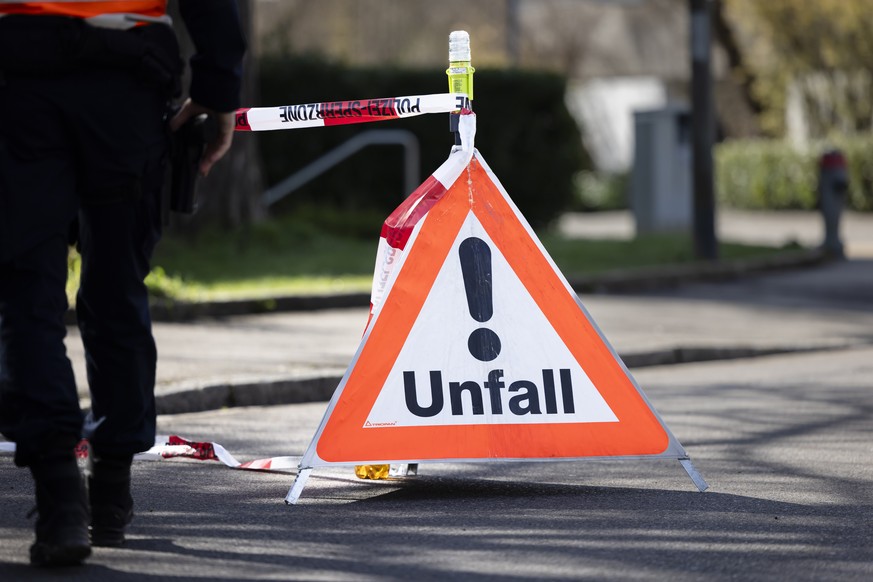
(219, 145)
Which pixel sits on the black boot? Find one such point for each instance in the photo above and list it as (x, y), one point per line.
(62, 525)
(111, 502)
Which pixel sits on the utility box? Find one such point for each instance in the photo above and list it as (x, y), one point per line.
(660, 185)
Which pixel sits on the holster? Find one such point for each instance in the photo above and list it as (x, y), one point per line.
(186, 148)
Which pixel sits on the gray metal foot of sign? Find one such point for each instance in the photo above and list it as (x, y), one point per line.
(404, 470)
(297, 487)
(696, 477)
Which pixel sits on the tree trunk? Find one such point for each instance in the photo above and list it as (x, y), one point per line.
(230, 195)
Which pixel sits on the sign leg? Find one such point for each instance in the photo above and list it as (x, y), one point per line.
(696, 477)
(297, 487)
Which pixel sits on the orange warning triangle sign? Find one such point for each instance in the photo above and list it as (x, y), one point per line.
(539, 382)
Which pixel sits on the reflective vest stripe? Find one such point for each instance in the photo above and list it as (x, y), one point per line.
(95, 8)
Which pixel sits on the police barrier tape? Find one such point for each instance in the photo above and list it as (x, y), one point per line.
(172, 446)
(346, 112)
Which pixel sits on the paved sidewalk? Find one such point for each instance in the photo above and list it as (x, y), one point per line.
(300, 356)
(753, 227)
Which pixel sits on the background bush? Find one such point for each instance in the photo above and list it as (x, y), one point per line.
(597, 191)
(771, 174)
(524, 132)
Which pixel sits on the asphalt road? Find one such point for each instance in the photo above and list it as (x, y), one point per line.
(784, 442)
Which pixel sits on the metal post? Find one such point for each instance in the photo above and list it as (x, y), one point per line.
(703, 130)
(316, 168)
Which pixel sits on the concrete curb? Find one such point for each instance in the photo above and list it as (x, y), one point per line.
(619, 281)
(321, 388)
(263, 393)
(629, 280)
(650, 278)
(181, 311)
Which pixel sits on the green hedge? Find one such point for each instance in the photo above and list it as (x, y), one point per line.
(770, 174)
(524, 132)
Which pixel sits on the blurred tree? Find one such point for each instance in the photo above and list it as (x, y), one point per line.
(726, 35)
(814, 54)
(230, 195)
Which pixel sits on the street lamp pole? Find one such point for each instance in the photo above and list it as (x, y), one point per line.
(703, 130)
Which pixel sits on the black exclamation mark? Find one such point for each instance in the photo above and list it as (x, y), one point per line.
(475, 258)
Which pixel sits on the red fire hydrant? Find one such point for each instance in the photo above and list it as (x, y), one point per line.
(833, 183)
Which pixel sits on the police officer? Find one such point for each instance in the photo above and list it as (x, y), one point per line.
(84, 89)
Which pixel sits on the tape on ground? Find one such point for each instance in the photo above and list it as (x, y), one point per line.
(172, 446)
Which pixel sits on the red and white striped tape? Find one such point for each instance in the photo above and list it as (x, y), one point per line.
(346, 112)
(400, 226)
(168, 447)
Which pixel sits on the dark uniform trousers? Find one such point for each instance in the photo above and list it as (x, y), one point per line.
(89, 146)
